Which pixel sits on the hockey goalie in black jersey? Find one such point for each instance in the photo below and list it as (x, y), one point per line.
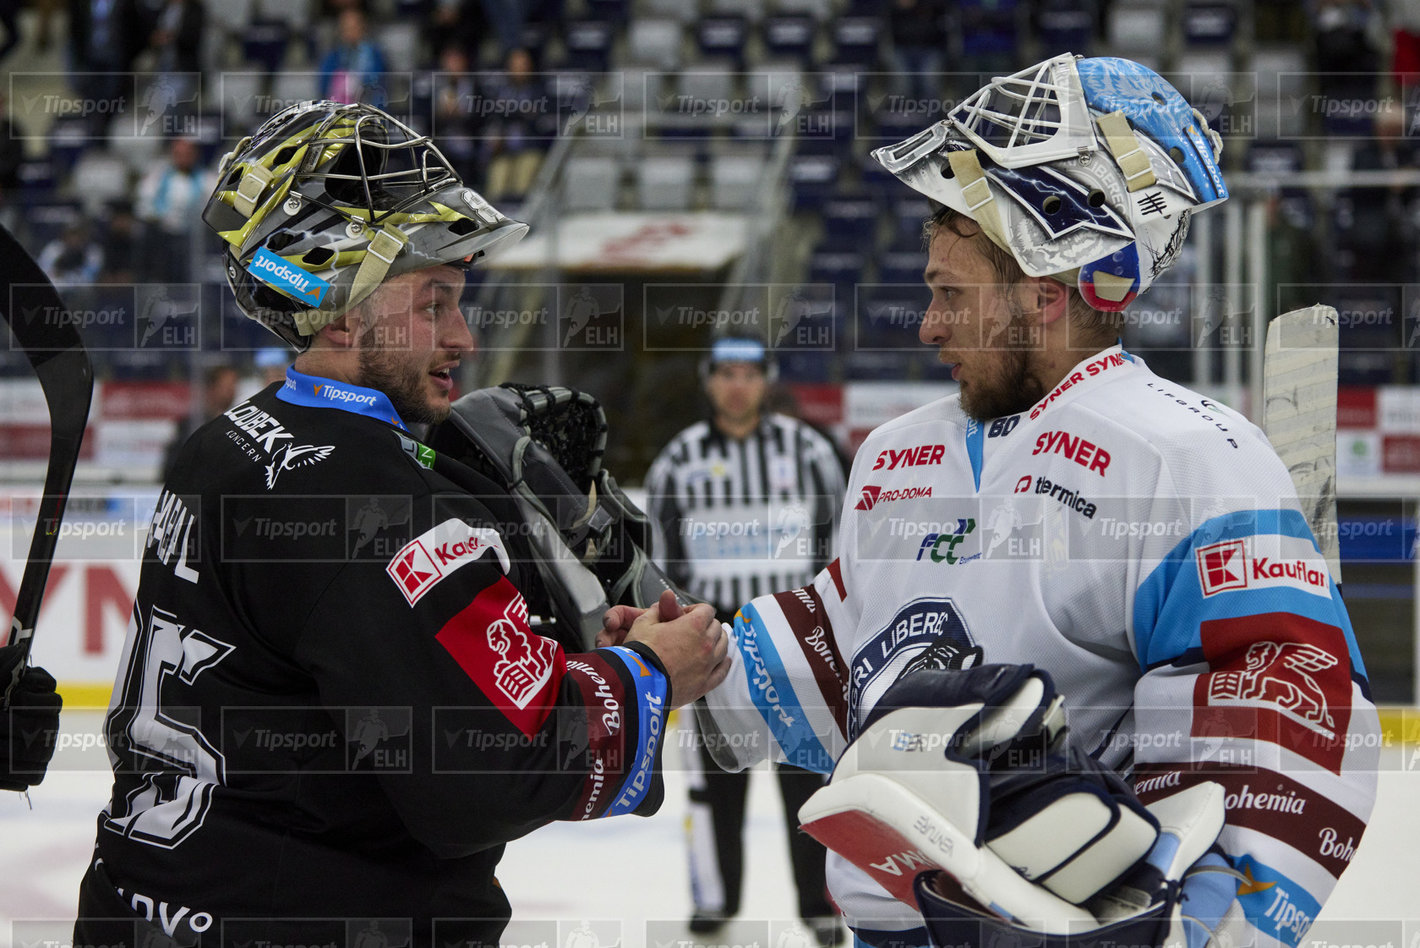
(331, 709)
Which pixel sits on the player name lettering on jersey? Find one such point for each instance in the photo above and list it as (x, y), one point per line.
(893, 458)
(1082, 451)
(172, 533)
(424, 562)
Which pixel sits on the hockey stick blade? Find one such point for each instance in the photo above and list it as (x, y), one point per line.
(35, 315)
(1299, 415)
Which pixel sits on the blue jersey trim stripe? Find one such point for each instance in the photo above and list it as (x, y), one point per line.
(314, 391)
(773, 694)
(975, 443)
(650, 687)
(1169, 604)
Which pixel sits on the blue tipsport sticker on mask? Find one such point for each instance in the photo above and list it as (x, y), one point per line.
(288, 278)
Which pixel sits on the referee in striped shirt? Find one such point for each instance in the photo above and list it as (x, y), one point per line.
(744, 504)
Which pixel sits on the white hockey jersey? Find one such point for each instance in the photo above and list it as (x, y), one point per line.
(1145, 546)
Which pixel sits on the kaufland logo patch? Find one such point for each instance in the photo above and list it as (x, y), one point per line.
(288, 278)
(1222, 566)
(422, 563)
(1269, 562)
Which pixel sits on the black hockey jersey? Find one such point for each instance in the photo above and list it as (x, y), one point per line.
(331, 709)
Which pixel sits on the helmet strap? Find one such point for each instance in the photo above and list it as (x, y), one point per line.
(981, 205)
(1128, 153)
(252, 187)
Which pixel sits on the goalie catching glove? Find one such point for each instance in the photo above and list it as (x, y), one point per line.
(963, 797)
(544, 445)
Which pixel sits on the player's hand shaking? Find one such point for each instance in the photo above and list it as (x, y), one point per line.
(691, 644)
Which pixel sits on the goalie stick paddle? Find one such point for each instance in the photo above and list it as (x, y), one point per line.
(1299, 415)
(32, 308)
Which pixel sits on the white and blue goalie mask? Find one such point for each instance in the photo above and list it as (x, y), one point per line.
(1086, 170)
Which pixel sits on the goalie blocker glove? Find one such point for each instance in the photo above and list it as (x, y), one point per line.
(544, 445)
(970, 775)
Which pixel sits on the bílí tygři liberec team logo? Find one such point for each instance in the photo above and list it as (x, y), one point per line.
(925, 633)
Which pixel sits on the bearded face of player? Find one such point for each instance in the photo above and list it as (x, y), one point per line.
(411, 338)
(979, 328)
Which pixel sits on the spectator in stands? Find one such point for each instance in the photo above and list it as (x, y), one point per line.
(458, 23)
(457, 124)
(353, 71)
(105, 36)
(1347, 59)
(9, 22)
(1380, 223)
(12, 155)
(177, 40)
(917, 53)
(171, 197)
(518, 128)
(219, 392)
(121, 240)
(74, 257)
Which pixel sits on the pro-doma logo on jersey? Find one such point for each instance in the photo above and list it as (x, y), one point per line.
(1262, 562)
(873, 495)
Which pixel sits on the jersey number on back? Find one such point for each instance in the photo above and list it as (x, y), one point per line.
(179, 766)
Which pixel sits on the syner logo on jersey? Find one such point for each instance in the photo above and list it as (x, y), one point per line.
(266, 441)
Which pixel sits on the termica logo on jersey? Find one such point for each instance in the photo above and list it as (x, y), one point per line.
(288, 278)
(422, 563)
(1284, 563)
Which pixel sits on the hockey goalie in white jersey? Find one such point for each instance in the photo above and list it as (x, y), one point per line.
(1067, 526)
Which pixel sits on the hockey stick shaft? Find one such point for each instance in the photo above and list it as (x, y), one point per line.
(39, 326)
(1299, 415)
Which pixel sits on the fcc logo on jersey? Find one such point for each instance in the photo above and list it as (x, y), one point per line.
(1222, 566)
